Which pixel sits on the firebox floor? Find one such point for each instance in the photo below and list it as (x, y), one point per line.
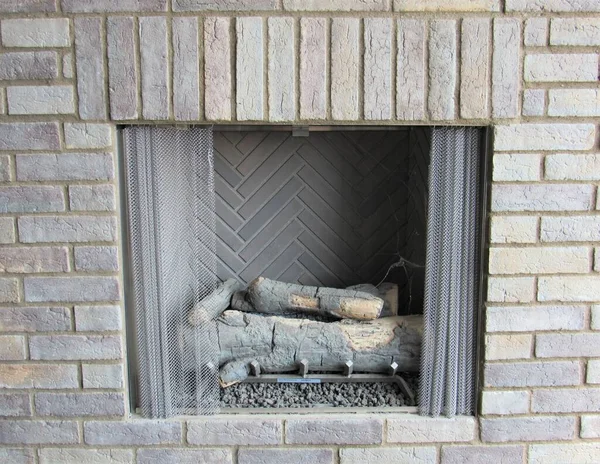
(316, 395)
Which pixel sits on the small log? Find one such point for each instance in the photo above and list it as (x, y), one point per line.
(387, 291)
(239, 302)
(215, 303)
(279, 344)
(273, 297)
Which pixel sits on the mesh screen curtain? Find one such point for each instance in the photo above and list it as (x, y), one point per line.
(448, 364)
(170, 196)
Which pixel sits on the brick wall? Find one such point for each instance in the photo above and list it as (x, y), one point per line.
(71, 69)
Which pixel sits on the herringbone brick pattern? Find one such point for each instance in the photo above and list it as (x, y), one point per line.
(333, 208)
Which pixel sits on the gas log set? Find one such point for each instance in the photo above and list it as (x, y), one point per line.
(275, 327)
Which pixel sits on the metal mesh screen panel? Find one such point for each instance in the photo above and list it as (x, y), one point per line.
(171, 216)
(450, 319)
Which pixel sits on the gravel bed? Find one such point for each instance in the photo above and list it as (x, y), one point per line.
(315, 395)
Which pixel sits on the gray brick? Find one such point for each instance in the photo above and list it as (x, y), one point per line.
(313, 59)
(87, 135)
(67, 229)
(561, 67)
(220, 5)
(564, 345)
(122, 74)
(9, 290)
(89, 59)
(5, 171)
(571, 166)
(505, 81)
(442, 64)
(186, 55)
(47, 376)
(29, 136)
(27, 6)
(335, 5)
(16, 455)
(2, 102)
(102, 375)
(566, 400)
(282, 71)
(34, 259)
(513, 229)
(35, 319)
(234, 432)
(406, 454)
(97, 318)
(7, 230)
(79, 404)
(534, 101)
(96, 258)
(505, 402)
(65, 166)
(570, 228)
(249, 69)
(552, 5)
(532, 319)
(418, 429)
(527, 429)
(110, 6)
(533, 374)
(547, 453)
(441, 5)
(531, 137)
(67, 63)
(517, 166)
(363, 431)
(377, 68)
(79, 455)
(539, 260)
(56, 289)
(21, 432)
(483, 454)
(595, 323)
(212, 456)
(590, 427)
(217, 69)
(536, 32)
(568, 288)
(542, 197)
(92, 198)
(508, 346)
(474, 68)
(574, 102)
(410, 72)
(12, 348)
(593, 371)
(47, 32)
(42, 99)
(14, 405)
(574, 31)
(28, 65)
(155, 65)
(31, 199)
(147, 432)
(75, 347)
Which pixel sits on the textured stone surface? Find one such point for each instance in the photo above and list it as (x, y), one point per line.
(29, 136)
(249, 69)
(517, 167)
(345, 65)
(47, 376)
(234, 432)
(574, 31)
(96, 258)
(281, 71)
(408, 454)
(511, 289)
(122, 75)
(31, 199)
(544, 137)
(546, 453)
(212, 456)
(505, 402)
(565, 400)
(505, 81)
(217, 69)
(533, 374)
(335, 5)
(561, 67)
(513, 229)
(36, 32)
(500, 347)
(5, 168)
(34, 319)
(65, 166)
(482, 454)
(12, 348)
(89, 60)
(110, 6)
(9, 290)
(17, 455)
(570, 229)
(97, 318)
(377, 79)
(92, 198)
(79, 404)
(595, 323)
(565, 345)
(7, 230)
(87, 135)
(313, 59)
(416, 429)
(38, 432)
(336, 431)
(527, 429)
(410, 72)
(590, 427)
(534, 102)
(536, 32)
(67, 63)
(186, 77)
(223, 5)
(57, 289)
(440, 5)
(147, 432)
(290, 456)
(572, 167)
(541, 197)
(28, 65)
(552, 5)
(74, 347)
(442, 61)
(532, 319)
(34, 259)
(27, 6)
(567, 288)
(574, 102)
(102, 375)
(35, 229)
(87, 455)
(542, 260)
(57, 99)
(474, 68)
(154, 67)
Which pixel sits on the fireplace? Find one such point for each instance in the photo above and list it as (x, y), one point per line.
(303, 268)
